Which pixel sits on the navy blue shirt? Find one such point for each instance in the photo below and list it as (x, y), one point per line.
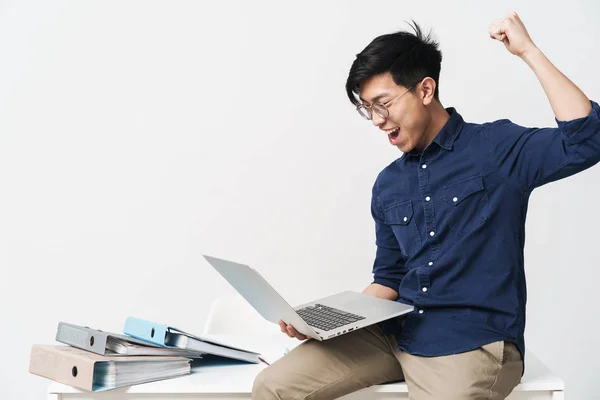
(450, 227)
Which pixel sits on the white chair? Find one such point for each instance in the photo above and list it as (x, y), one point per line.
(233, 315)
(233, 320)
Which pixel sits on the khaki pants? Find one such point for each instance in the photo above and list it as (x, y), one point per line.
(366, 357)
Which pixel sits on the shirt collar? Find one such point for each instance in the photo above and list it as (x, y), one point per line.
(446, 136)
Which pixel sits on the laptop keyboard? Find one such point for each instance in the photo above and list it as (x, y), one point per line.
(326, 318)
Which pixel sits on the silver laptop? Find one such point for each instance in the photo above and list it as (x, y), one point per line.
(320, 319)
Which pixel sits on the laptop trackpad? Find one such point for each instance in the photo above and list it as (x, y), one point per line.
(351, 302)
(364, 305)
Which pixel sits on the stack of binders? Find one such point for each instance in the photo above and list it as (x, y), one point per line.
(95, 360)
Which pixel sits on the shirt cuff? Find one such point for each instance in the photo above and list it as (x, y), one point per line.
(581, 129)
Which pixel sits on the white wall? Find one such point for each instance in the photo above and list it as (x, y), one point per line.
(134, 136)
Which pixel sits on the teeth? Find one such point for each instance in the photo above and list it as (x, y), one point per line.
(391, 131)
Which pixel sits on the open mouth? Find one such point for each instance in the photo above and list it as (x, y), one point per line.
(393, 135)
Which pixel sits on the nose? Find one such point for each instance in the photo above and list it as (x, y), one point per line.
(377, 119)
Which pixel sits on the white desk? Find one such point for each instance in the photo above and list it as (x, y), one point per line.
(228, 382)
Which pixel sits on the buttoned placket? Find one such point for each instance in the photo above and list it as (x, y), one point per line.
(424, 173)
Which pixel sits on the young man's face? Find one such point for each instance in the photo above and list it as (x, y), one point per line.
(408, 118)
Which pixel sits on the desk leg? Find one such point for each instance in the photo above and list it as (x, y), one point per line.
(558, 395)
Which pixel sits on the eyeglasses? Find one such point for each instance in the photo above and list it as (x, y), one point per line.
(380, 109)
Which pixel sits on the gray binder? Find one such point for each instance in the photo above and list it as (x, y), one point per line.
(113, 344)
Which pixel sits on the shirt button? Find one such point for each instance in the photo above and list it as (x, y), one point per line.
(405, 219)
(430, 263)
(424, 166)
(424, 289)
(455, 199)
(427, 198)
(432, 233)
(421, 311)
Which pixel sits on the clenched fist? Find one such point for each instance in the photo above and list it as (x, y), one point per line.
(511, 31)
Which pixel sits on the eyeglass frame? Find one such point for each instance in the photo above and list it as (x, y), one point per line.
(385, 105)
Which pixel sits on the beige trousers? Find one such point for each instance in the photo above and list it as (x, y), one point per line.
(366, 357)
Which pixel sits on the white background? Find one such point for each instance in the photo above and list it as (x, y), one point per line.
(137, 135)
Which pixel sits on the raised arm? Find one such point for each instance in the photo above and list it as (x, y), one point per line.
(567, 101)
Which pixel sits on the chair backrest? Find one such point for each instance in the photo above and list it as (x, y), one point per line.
(233, 315)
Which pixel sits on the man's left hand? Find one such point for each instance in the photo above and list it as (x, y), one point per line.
(511, 31)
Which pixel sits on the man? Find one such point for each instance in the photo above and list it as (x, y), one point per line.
(450, 217)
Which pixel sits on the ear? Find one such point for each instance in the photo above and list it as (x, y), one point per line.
(427, 90)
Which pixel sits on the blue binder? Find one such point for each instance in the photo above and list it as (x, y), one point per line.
(168, 336)
(147, 330)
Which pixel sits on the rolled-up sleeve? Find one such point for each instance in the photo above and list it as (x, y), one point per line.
(389, 267)
(532, 157)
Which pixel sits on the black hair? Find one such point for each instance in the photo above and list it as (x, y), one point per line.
(409, 57)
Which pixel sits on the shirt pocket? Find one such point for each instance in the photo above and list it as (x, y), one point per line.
(468, 204)
(399, 216)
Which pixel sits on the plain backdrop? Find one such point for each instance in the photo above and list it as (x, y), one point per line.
(137, 135)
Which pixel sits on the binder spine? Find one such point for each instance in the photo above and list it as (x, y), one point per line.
(146, 330)
(84, 338)
(62, 366)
